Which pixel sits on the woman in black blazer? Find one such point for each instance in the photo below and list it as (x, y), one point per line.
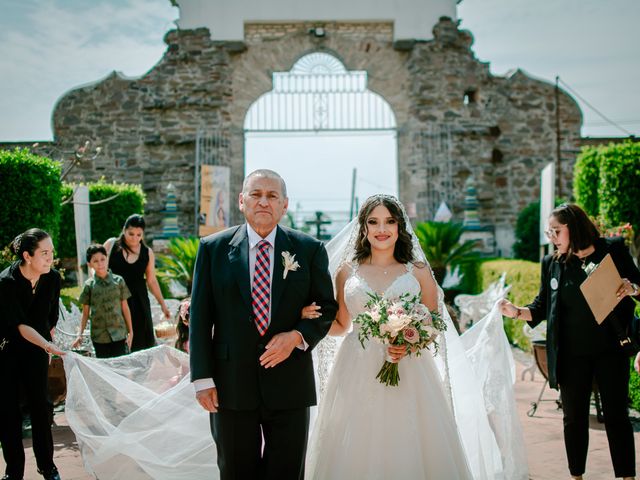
(578, 349)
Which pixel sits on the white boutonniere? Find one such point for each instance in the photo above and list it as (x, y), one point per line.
(290, 263)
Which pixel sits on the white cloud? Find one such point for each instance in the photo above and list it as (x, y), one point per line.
(55, 46)
(590, 44)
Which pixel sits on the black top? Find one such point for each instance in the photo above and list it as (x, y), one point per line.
(570, 325)
(580, 334)
(20, 305)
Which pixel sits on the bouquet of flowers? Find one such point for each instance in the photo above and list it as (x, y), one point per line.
(401, 321)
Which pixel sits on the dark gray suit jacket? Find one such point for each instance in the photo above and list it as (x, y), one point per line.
(221, 300)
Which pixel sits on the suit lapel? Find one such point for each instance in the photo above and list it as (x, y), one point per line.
(283, 244)
(239, 260)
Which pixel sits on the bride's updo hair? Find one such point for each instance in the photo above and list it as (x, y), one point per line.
(403, 248)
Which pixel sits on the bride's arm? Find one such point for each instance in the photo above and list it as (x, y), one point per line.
(428, 286)
(342, 323)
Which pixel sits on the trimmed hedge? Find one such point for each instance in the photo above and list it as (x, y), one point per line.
(586, 177)
(524, 278)
(606, 185)
(527, 246)
(30, 194)
(619, 185)
(106, 218)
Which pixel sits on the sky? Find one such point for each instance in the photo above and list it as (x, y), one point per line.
(48, 47)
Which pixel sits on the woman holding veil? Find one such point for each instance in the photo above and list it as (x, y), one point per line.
(434, 424)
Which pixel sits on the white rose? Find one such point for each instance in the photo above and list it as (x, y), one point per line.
(397, 323)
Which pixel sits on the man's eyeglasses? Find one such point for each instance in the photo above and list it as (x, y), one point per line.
(552, 233)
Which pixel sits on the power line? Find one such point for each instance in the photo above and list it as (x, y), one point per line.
(602, 115)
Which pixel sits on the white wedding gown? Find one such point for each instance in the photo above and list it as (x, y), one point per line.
(365, 429)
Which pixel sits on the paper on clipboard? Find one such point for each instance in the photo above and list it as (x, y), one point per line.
(600, 287)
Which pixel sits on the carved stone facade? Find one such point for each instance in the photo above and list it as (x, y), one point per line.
(454, 118)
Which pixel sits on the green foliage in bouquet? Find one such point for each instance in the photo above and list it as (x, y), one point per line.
(30, 194)
(403, 321)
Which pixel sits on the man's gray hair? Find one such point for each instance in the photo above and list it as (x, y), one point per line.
(263, 172)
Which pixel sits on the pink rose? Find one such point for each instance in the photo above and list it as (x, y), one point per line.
(411, 335)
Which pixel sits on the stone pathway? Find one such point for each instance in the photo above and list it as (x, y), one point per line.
(543, 438)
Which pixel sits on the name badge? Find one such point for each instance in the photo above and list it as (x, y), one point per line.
(554, 284)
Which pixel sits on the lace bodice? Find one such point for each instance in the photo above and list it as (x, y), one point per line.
(356, 289)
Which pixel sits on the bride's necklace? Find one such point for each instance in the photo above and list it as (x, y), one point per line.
(383, 269)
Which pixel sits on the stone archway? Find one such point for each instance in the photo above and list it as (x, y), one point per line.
(368, 47)
(320, 117)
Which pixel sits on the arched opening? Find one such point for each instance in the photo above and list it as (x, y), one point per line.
(318, 125)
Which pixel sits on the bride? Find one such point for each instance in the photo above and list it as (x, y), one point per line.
(453, 412)
(365, 429)
(451, 416)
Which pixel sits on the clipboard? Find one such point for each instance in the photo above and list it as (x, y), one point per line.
(600, 287)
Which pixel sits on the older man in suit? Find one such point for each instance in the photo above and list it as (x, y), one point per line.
(250, 349)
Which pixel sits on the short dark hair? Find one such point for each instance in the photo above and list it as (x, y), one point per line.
(403, 250)
(95, 248)
(28, 242)
(582, 231)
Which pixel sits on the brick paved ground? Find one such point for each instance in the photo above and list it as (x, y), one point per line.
(543, 438)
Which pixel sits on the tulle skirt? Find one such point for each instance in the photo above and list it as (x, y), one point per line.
(365, 429)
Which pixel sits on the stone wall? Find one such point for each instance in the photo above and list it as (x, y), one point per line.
(503, 134)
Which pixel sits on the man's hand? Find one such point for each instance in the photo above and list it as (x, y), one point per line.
(279, 348)
(208, 399)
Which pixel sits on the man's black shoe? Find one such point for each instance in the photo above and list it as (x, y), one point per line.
(9, 477)
(51, 474)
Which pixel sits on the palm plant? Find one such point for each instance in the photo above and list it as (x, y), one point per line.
(440, 242)
(180, 263)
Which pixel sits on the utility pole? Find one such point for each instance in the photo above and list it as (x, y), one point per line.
(353, 195)
(558, 154)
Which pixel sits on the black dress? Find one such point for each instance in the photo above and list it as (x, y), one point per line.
(133, 274)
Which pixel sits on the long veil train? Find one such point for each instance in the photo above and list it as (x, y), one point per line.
(136, 416)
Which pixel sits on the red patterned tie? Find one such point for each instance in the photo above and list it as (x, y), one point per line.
(261, 290)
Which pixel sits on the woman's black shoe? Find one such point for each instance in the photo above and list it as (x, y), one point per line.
(9, 477)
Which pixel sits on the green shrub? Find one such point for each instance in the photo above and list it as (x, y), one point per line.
(67, 242)
(106, 218)
(527, 245)
(634, 388)
(619, 186)
(524, 278)
(179, 264)
(30, 194)
(440, 242)
(586, 178)
(71, 295)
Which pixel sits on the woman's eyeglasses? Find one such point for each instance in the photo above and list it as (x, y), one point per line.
(552, 233)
